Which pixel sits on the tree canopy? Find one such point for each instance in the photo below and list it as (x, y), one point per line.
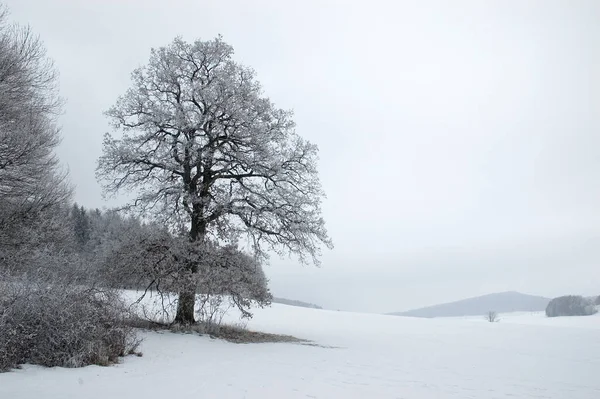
(201, 149)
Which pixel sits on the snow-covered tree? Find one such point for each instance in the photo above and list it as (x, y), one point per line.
(32, 187)
(81, 225)
(203, 150)
(570, 305)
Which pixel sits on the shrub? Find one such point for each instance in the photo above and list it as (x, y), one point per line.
(54, 324)
(224, 278)
(570, 305)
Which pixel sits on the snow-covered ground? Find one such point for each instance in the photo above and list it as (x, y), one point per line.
(361, 356)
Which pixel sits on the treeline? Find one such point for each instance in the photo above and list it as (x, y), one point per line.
(572, 305)
(294, 302)
(96, 234)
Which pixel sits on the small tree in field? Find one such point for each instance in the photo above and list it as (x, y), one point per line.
(207, 154)
(492, 316)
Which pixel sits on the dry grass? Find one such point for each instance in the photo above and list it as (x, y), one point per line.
(237, 334)
(240, 335)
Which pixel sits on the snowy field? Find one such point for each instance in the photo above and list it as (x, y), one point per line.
(360, 356)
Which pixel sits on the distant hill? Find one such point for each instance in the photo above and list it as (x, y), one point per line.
(293, 302)
(503, 302)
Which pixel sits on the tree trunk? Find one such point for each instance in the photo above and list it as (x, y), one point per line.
(185, 307)
(187, 296)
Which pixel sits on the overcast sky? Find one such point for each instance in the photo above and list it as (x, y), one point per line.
(459, 140)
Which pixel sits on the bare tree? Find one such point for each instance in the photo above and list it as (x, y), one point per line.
(31, 181)
(208, 154)
(492, 316)
(33, 189)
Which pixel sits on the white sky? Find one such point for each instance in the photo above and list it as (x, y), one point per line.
(460, 145)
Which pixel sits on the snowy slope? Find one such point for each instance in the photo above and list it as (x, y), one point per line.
(501, 302)
(375, 356)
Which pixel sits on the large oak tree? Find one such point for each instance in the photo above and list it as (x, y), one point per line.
(201, 149)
